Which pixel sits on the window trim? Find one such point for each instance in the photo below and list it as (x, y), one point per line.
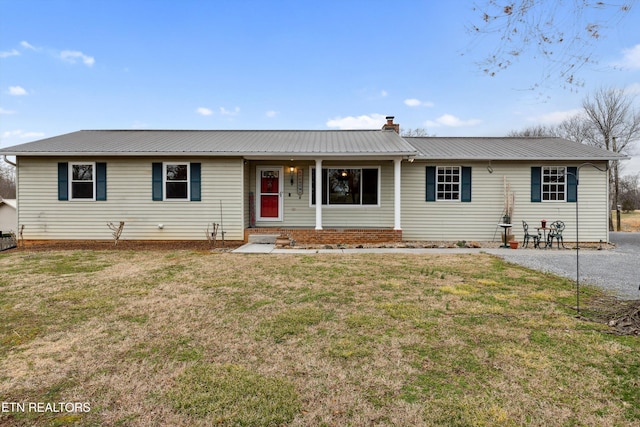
(312, 172)
(565, 184)
(459, 183)
(164, 182)
(93, 182)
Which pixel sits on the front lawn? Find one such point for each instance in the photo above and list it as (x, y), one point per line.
(171, 338)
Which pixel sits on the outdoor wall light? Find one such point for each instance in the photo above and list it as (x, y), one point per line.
(160, 226)
(291, 171)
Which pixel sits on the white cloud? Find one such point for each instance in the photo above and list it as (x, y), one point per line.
(8, 53)
(384, 93)
(27, 45)
(3, 111)
(373, 121)
(630, 58)
(72, 56)
(272, 114)
(18, 133)
(633, 89)
(556, 117)
(451, 121)
(203, 111)
(17, 91)
(226, 112)
(413, 102)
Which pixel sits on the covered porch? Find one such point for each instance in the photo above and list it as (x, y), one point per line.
(359, 200)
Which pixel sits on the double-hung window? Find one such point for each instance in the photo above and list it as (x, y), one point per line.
(82, 181)
(347, 186)
(448, 183)
(554, 183)
(176, 181)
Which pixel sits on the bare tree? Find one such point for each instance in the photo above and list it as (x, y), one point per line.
(578, 129)
(7, 182)
(532, 131)
(561, 34)
(415, 132)
(630, 192)
(617, 126)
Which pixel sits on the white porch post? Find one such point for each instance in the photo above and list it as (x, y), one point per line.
(396, 194)
(318, 194)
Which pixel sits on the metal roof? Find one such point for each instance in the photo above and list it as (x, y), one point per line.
(306, 143)
(245, 143)
(509, 148)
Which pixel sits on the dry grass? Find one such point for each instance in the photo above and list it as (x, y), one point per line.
(629, 221)
(191, 338)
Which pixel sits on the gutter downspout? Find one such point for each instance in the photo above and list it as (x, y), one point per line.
(9, 161)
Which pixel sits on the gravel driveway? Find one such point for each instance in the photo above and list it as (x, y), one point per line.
(616, 270)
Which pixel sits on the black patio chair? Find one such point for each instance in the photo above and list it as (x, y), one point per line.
(527, 236)
(555, 232)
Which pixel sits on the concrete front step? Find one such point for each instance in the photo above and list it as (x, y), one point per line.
(263, 238)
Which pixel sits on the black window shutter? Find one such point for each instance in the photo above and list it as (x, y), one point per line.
(536, 184)
(63, 181)
(431, 183)
(572, 184)
(101, 181)
(466, 184)
(195, 182)
(156, 181)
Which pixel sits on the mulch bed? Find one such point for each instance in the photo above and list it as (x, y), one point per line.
(622, 316)
(126, 245)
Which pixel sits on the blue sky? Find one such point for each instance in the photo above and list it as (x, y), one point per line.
(271, 64)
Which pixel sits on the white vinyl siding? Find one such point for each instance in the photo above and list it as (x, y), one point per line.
(478, 219)
(129, 186)
(8, 219)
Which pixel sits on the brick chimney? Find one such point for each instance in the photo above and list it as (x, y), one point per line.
(390, 125)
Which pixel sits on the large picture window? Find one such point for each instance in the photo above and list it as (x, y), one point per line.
(347, 186)
(82, 181)
(554, 183)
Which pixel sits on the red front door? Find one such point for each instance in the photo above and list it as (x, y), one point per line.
(270, 194)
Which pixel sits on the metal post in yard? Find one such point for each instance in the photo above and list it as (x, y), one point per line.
(577, 176)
